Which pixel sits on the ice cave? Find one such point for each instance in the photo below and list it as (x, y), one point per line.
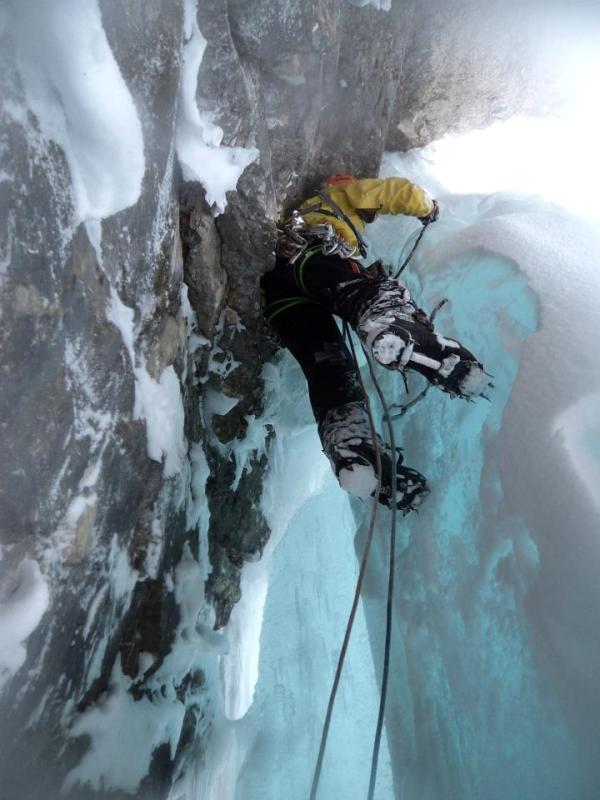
(177, 559)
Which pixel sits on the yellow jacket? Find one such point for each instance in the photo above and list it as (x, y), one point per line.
(362, 200)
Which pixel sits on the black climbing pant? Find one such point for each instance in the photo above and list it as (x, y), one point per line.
(301, 300)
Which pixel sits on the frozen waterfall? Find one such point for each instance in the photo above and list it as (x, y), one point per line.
(129, 270)
(495, 652)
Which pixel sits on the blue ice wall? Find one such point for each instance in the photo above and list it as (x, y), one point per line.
(469, 718)
(472, 712)
(475, 712)
(311, 588)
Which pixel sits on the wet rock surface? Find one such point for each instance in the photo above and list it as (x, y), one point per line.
(317, 87)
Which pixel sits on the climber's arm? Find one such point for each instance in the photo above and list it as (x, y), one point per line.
(390, 196)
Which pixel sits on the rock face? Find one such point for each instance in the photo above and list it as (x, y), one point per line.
(325, 87)
(487, 50)
(93, 313)
(76, 484)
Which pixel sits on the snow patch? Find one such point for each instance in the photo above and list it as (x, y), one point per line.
(69, 538)
(578, 428)
(239, 668)
(114, 598)
(161, 405)
(198, 513)
(293, 80)
(93, 609)
(198, 139)
(122, 575)
(218, 403)
(380, 5)
(122, 317)
(158, 402)
(124, 731)
(74, 87)
(114, 723)
(23, 603)
(195, 340)
(94, 232)
(154, 548)
(446, 342)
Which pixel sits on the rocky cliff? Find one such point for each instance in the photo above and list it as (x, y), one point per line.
(132, 342)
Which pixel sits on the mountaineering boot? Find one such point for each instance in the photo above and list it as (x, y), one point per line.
(385, 321)
(411, 486)
(399, 335)
(347, 442)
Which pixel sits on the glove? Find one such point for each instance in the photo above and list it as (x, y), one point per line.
(411, 486)
(432, 216)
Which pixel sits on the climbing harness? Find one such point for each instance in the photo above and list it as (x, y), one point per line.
(336, 212)
(279, 306)
(295, 236)
(284, 303)
(340, 215)
(359, 584)
(300, 264)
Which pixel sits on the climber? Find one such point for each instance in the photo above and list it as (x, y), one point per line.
(315, 276)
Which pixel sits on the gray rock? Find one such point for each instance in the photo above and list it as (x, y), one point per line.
(204, 274)
(67, 405)
(467, 64)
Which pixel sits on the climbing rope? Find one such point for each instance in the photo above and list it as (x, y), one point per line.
(410, 255)
(359, 583)
(388, 419)
(390, 595)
